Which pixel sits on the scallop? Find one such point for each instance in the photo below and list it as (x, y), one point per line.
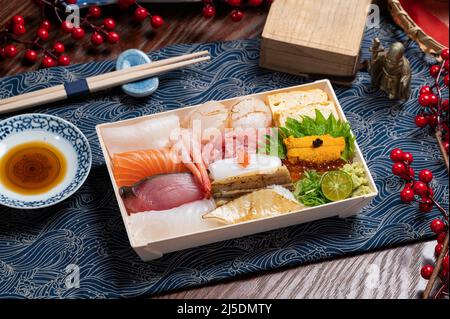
(210, 116)
(251, 113)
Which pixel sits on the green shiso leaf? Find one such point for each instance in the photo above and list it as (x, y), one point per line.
(321, 126)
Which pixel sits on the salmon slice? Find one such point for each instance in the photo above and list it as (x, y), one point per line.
(131, 167)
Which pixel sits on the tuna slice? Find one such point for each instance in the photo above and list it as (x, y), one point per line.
(161, 192)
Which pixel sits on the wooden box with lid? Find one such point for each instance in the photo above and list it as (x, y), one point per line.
(314, 36)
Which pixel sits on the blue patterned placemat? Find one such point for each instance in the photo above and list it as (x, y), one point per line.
(41, 250)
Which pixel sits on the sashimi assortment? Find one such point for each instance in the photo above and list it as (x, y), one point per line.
(235, 162)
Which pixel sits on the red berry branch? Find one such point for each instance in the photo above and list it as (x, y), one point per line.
(435, 109)
(421, 191)
(10, 41)
(236, 15)
(101, 31)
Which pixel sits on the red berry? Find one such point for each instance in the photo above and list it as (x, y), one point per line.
(441, 238)
(430, 192)
(407, 195)
(71, 1)
(444, 54)
(140, 14)
(408, 175)
(48, 62)
(434, 70)
(433, 99)
(58, 47)
(425, 90)
(446, 80)
(437, 226)
(237, 15)
(445, 263)
(255, 3)
(63, 60)
(445, 144)
(42, 34)
(433, 120)
(96, 38)
(445, 105)
(426, 205)
(426, 176)
(78, 33)
(396, 155)
(113, 37)
(209, 11)
(95, 12)
(398, 169)
(421, 189)
(446, 64)
(424, 100)
(109, 23)
(157, 21)
(426, 271)
(66, 26)
(124, 4)
(18, 19)
(407, 157)
(438, 249)
(411, 173)
(10, 51)
(234, 3)
(421, 121)
(30, 55)
(45, 24)
(19, 29)
(409, 185)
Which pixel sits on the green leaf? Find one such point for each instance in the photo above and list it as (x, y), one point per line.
(321, 126)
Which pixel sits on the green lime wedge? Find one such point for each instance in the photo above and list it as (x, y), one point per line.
(336, 185)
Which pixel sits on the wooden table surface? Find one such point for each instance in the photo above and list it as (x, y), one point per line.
(391, 273)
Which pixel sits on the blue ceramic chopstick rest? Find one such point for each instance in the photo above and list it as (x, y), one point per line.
(142, 88)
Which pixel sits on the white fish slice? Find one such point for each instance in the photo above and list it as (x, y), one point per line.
(151, 226)
(230, 167)
(272, 201)
(147, 134)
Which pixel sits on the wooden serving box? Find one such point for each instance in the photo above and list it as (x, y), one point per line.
(314, 36)
(156, 248)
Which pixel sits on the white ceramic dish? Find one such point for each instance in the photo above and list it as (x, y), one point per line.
(159, 245)
(57, 132)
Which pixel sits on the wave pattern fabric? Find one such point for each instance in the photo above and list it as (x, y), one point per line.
(43, 251)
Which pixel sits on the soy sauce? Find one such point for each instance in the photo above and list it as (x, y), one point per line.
(32, 168)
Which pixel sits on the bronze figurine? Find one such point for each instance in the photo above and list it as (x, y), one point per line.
(390, 71)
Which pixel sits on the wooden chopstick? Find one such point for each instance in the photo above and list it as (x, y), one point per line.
(102, 81)
(121, 78)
